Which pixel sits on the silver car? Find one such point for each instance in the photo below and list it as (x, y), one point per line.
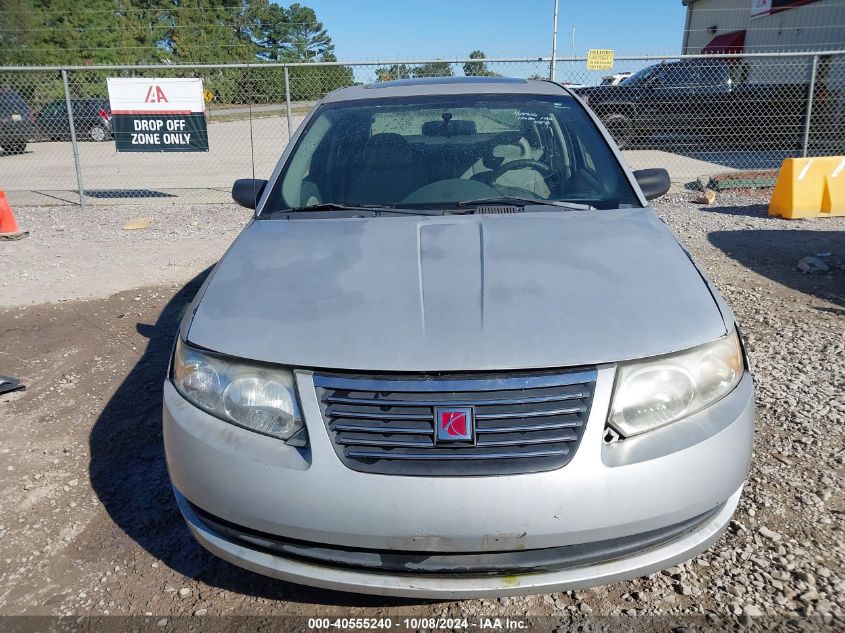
(454, 354)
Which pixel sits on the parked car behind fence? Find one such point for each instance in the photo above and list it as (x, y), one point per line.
(16, 122)
(91, 119)
(711, 97)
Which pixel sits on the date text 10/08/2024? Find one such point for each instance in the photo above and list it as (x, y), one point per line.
(416, 624)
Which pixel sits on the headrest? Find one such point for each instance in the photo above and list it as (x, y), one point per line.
(453, 127)
(387, 150)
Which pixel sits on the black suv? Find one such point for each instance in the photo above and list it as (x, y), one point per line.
(16, 122)
(91, 119)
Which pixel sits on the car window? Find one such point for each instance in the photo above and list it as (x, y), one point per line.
(430, 151)
(641, 75)
(738, 70)
(84, 107)
(57, 107)
(679, 77)
(12, 103)
(93, 106)
(295, 186)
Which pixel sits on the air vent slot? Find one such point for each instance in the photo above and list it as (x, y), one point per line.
(498, 209)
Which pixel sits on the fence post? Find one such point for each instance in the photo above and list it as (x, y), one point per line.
(554, 46)
(73, 141)
(287, 101)
(810, 95)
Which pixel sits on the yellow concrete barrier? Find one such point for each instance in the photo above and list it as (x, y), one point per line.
(810, 188)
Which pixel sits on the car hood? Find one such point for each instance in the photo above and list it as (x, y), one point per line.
(478, 292)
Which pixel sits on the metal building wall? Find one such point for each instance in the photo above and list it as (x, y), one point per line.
(724, 15)
(817, 25)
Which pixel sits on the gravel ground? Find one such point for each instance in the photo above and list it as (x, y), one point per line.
(87, 521)
(76, 254)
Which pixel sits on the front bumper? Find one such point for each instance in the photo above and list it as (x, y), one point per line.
(456, 586)
(693, 468)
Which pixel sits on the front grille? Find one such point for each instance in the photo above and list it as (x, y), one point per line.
(524, 422)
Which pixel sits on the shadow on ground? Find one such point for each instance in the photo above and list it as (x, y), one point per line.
(750, 210)
(775, 255)
(129, 475)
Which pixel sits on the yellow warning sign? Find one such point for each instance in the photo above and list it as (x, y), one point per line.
(600, 59)
(207, 95)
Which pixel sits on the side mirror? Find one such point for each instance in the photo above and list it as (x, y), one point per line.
(247, 191)
(653, 182)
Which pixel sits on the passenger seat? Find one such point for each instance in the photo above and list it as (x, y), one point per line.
(386, 172)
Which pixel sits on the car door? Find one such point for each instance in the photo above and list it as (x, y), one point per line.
(675, 98)
(53, 123)
(720, 107)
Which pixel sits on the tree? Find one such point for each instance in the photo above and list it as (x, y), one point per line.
(403, 71)
(206, 32)
(17, 24)
(291, 35)
(395, 71)
(478, 69)
(40, 32)
(90, 32)
(308, 40)
(51, 32)
(433, 69)
(314, 81)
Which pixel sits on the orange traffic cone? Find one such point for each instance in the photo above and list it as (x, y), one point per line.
(8, 225)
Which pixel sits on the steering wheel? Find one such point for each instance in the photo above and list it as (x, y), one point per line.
(519, 163)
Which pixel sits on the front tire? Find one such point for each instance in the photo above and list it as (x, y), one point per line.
(621, 128)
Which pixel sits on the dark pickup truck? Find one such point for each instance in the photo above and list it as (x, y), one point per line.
(710, 97)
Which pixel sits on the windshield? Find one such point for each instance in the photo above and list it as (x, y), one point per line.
(439, 152)
(641, 75)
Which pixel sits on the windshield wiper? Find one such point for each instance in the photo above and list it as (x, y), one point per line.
(377, 209)
(524, 202)
(335, 206)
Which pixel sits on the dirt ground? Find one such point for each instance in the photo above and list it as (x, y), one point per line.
(88, 525)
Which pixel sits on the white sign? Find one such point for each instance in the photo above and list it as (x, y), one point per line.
(138, 95)
(158, 115)
(759, 8)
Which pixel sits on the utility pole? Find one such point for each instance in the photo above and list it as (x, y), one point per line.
(554, 47)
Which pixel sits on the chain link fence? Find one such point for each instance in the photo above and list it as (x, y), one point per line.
(693, 115)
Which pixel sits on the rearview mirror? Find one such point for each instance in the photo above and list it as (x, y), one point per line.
(247, 191)
(653, 182)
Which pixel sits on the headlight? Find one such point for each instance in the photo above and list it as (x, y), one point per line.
(253, 396)
(651, 393)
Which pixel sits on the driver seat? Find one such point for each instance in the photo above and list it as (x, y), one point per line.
(387, 171)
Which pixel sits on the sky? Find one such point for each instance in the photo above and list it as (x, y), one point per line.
(384, 29)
